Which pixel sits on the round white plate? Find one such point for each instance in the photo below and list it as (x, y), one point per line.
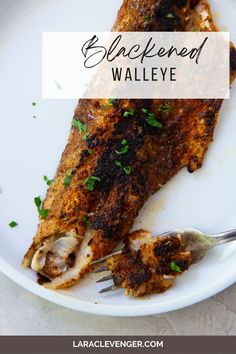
(31, 147)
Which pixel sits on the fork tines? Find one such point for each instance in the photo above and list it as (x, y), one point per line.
(103, 268)
(103, 259)
(110, 288)
(109, 277)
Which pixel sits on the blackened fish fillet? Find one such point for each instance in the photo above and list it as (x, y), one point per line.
(114, 162)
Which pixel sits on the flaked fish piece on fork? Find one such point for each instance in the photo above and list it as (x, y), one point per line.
(115, 159)
(149, 265)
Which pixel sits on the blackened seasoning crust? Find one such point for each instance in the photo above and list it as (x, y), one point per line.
(148, 265)
(232, 59)
(167, 247)
(181, 3)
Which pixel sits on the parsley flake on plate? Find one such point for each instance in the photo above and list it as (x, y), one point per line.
(13, 224)
(42, 212)
(48, 181)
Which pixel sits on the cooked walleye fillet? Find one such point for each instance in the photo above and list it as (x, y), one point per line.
(113, 163)
(149, 265)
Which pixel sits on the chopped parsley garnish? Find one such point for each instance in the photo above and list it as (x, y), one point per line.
(81, 126)
(111, 101)
(42, 212)
(124, 148)
(175, 267)
(48, 181)
(85, 136)
(129, 113)
(147, 19)
(118, 163)
(13, 224)
(90, 151)
(90, 182)
(37, 202)
(65, 218)
(68, 177)
(86, 221)
(33, 103)
(165, 108)
(170, 15)
(127, 170)
(151, 120)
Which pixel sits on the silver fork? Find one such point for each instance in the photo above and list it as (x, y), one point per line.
(196, 242)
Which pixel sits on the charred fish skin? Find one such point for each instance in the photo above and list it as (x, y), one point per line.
(103, 214)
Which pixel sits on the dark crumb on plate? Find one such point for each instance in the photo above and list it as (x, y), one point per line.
(42, 279)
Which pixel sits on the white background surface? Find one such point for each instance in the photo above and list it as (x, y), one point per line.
(23, 313)
(31, 148)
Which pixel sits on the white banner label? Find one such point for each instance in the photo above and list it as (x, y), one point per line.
(136, 65)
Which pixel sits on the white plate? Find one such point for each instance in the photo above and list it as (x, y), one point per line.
(31, 147)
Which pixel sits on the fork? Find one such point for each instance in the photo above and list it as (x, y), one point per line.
(195, 242)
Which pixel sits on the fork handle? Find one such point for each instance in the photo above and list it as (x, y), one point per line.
(225, 237)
